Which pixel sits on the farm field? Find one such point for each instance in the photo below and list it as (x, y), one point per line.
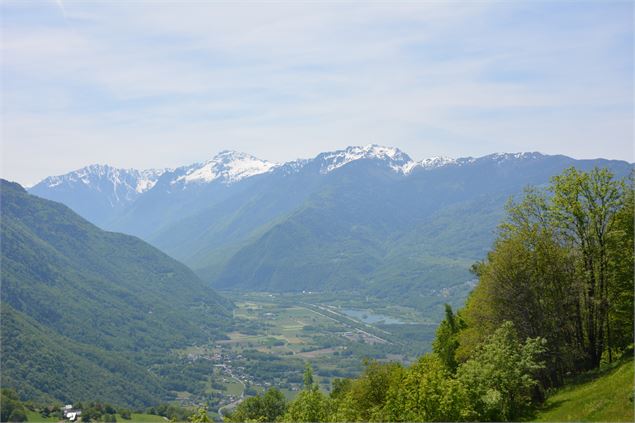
(276, 335)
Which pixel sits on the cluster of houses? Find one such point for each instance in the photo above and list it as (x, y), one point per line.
(70, 413)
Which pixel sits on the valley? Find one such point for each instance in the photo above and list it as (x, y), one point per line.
(351, 278)
(276, 334)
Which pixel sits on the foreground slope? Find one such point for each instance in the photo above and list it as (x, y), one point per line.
(608, 397)
(81, 306)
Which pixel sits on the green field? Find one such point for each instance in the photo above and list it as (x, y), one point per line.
(607, 397)
(34, 416)
(274, 335)
(138, 417)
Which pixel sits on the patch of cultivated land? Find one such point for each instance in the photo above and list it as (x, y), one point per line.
(275, 335)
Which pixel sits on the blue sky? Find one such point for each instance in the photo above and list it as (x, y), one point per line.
(160, 84)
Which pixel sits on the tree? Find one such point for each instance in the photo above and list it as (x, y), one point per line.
(446, 340)
(530, 279)
(339, 388)
(427, 391)
(125, 413)
(17, 415)
(561, 268)
(500, 377)
(266, 408)
(9, 401)
(200, 416)
(363, 399)
(308, 376)
(584, 209)
(621, 265)
(310, 405)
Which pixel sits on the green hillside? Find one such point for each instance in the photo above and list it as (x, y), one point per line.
(86, 313)
(409, 240)
(607, 396)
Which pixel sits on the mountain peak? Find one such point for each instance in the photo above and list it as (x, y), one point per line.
(120, 185)
(227, 167)
(139, 180)
(395, 158)
(500, 157)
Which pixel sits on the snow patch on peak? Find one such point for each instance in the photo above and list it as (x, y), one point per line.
(120, 186)
(227, 167)
(147, 179)
(336, 159)
(92, 175)
(501, 157)
(436, 161)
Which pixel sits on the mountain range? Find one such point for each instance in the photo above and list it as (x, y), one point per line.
(368, 220)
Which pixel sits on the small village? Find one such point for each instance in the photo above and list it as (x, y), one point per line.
(70, 413)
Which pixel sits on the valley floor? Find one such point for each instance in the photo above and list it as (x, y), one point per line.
(276, 334)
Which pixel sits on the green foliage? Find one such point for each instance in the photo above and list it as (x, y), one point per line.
(308, 376)
(310, 405)
(261, 408)
(199, 416)
(500, 376)
(170, 411)
(365, 397)
(446, 341)
(583, 210)
(427, 391)
(561, 269)
(11, 408)
(620, 283)
(496, 383)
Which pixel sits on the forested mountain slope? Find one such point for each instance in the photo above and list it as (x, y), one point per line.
(410, 238)
(84, 305)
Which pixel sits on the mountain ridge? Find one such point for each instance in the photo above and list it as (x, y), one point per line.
(332, 161)
(367, 218)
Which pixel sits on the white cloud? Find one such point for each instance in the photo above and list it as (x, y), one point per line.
(142, 85)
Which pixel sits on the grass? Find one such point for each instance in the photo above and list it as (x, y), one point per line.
(34, 416)
(234, 388)
(608, 397)
(138, 417)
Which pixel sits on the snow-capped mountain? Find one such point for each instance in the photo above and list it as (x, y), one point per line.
(358, 218)
(391, 156)
(144, 202)
(395, 159)
(123, 186)
(119, 186)
(98, 191)
(227, 167)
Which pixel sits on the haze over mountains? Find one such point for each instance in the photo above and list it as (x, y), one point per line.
(365, 219)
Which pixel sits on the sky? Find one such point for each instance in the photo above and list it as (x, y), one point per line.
(153, 84)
